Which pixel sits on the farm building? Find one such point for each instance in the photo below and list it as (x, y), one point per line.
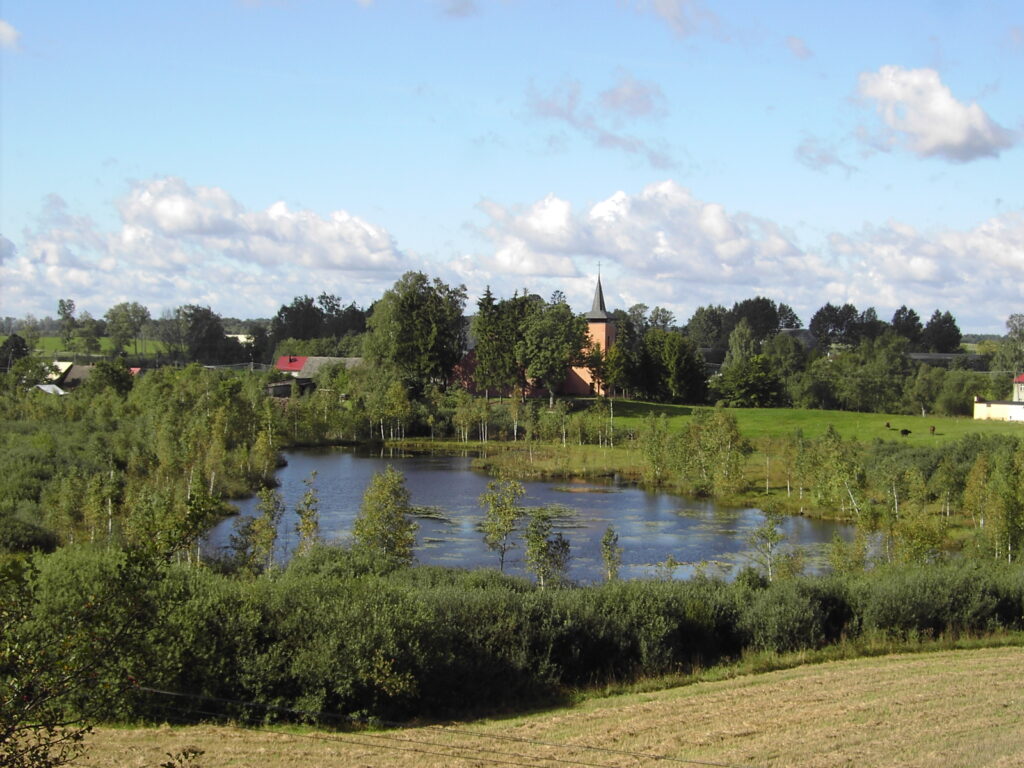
(1002, 410)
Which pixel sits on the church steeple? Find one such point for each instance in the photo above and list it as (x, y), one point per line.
(597, 311)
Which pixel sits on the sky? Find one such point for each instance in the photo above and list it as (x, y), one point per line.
(239, 153)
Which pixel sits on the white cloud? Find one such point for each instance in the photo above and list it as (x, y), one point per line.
(921, 113)
(665, 246)
(798, 47)
(179, 244)
(8, 36)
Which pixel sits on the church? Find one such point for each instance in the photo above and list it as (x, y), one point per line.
(600, 333)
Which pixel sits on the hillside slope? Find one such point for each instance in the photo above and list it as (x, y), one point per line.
(949, 708)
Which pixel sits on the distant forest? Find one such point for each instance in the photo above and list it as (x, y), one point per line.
(756, 353)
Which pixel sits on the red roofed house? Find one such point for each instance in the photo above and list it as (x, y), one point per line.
(291, 364)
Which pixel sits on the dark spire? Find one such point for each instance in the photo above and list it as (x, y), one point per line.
(597, 311)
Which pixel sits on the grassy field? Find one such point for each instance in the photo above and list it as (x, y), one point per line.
(52, 345)
(952, 708)
(759, 423)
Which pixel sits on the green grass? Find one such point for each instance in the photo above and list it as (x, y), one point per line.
(758, 424)
(53, 345)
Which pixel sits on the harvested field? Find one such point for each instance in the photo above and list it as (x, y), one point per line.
(948, 708)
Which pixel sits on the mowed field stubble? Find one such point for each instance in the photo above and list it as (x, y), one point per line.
(961, 708)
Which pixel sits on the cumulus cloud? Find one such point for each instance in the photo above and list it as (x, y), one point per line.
(179, 243)
(630, 98)
(798, 47)
(8, 36)
(920, 113)
(669, 247)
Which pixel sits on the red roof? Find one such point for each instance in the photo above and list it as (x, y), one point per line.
(1019, 379)
(291, 363)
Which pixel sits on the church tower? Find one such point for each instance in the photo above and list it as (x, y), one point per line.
(600, 332)
(600, 326)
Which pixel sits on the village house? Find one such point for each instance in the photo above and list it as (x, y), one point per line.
(1002, 410)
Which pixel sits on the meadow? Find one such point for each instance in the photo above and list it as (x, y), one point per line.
(947, 707)
(54, 347)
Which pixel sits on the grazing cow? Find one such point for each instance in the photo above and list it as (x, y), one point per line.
(931, 429)
(905, 432)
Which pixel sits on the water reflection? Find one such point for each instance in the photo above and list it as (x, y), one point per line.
(651, 526)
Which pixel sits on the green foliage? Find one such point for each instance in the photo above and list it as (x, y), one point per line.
(547, 555)
(501, 502)
(308, 512)
(709, 453)
(416, 328)
(72, 644)
(611, 554)
(750, 382)
(381, 527)
(552, 341)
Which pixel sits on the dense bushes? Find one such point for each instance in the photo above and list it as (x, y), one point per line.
(331, 633)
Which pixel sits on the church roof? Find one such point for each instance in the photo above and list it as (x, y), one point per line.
(597, 311)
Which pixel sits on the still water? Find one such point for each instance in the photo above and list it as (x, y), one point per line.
(651, 526)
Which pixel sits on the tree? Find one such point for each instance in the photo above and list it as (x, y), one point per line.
(124, 323)
(785, 354)
(834, 325)
(417, 328)
(495, 330)
(907, 324)
(308, 512)
(87, 334)
(12, 350)
(66, 313)
(255, 537)
(765, 542)
(751, 383)
(110, 375)
(611, 554)
(788, 318)
(547, 556)
(1009, 356)
(661, 318)
(553, 338)
(501, 500)
(683, 365)
(381, 527)
(302, 319)
(706, 326)
(743, 345)
(204, 337)
(941, 333)
(72, 631)
(761, 316)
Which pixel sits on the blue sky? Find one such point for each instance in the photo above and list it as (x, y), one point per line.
(237, 154)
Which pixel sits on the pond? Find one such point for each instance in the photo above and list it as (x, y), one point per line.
(651, 526)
